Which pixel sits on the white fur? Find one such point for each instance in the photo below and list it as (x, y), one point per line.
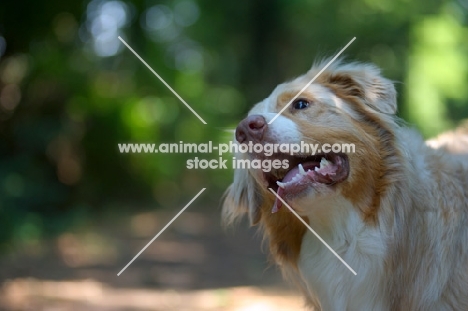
(360, 247)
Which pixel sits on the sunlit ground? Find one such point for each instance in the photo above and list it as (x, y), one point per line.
(193, 265)
(29, 294)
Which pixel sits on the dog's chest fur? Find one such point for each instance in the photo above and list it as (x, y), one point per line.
(325, 277)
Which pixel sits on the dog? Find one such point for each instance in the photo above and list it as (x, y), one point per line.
(395, 210)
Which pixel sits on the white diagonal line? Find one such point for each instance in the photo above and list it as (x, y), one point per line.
(312, 230)
(161, 79)
(313, 79)
(157, 235)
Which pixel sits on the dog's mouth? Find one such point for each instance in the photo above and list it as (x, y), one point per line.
(305, 172)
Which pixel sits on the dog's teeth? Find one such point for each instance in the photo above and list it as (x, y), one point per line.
(280, 184)
(316, 169)
(301, 170)
(324, 163)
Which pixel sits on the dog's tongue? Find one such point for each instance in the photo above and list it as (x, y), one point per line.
(278, 203)
(289, 176)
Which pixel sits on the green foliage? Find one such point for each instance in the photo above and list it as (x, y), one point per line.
(438, 72)
(70, 91)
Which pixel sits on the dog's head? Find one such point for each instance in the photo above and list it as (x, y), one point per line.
(347, 104)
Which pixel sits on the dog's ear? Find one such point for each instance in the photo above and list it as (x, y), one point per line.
(242, 197)
(364, 81)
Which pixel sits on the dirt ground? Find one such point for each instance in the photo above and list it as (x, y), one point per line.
(193, 265)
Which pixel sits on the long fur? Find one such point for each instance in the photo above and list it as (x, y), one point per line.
(400, 219)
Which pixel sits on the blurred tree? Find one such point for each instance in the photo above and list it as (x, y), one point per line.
(437, 74)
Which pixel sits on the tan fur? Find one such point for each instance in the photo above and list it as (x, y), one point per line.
(400, 219)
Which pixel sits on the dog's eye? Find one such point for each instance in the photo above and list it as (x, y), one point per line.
(300, 104)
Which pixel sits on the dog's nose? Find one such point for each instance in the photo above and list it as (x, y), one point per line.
(251, 128)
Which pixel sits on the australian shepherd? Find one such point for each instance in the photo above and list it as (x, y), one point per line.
(395, 209)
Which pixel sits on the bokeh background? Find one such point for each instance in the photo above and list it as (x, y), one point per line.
(74, 211)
